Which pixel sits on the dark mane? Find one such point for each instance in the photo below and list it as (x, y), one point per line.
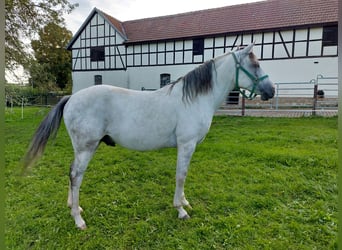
(197, 81)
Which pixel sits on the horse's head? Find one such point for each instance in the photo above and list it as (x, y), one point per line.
(249, 75)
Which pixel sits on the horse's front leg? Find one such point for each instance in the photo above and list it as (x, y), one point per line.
(185, 152)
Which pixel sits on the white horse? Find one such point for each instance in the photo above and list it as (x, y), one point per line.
(177, 115)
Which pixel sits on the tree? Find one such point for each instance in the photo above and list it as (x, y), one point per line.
(24, 18)
(50, 53)
(41, 78)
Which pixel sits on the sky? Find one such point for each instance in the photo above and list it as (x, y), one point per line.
(125, 10)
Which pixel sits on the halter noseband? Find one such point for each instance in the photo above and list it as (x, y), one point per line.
(255, 79)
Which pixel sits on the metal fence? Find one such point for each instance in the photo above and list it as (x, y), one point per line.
(316, 97)
(22, 101)
(50, 99)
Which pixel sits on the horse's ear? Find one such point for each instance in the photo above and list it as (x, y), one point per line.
(248, 49)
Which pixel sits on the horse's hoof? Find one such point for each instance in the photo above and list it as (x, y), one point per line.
(185, 217)
(82, 227)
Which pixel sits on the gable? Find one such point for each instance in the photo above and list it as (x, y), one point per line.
(98, 29)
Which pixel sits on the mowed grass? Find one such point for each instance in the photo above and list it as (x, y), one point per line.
(254, 183)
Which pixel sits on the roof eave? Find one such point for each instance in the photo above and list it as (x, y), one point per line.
(123, 34)
(90, 16)
(299, 26)
(79, 31)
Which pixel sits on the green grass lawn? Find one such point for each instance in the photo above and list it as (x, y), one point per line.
(254, 183)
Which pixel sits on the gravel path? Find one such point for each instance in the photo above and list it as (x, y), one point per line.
(277, 113)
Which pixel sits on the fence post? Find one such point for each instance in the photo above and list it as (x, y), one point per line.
(243, 104)
(315, 99)
(277, 96)
(11, 104)
(22, 108)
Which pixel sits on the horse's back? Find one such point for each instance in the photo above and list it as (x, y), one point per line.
(135, 119)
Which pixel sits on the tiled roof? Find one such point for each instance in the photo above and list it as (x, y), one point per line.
(245, 17)
(264, 15)
(115, 22)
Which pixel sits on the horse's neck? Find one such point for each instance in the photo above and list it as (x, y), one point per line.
(223, 79)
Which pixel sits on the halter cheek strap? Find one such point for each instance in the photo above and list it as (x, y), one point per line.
(254, 78)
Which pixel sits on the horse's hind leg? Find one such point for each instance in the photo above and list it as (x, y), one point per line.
(70, 192)
(77, 170)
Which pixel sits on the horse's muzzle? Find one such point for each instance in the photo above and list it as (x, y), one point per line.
(267, 90)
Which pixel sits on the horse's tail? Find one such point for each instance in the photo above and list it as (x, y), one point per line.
(49, 126)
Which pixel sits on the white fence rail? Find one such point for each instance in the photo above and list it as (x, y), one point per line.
(314, 97)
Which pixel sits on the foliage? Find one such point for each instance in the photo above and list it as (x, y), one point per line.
(254, 183)
(53, 61)
(41, 77)
(16, 94)
(23, 20)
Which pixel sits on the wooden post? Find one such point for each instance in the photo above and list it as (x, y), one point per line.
(22, 108)
(243, 104)
(315, 99)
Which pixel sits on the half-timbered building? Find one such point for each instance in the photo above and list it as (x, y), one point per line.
(294, 39)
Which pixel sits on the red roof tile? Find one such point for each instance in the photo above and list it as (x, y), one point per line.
(245, 17)
(117, 24)
(264, 15)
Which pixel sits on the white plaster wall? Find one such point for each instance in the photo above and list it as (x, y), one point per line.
(86, 79)
(149, 77)
(279, 71)
(300, 70)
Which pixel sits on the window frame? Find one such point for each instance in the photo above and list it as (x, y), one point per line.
(330, 36)
(198, 47)
(97, 54)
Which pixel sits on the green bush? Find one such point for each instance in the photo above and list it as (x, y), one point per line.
(16, 95)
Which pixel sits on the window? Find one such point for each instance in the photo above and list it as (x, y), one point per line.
(198, 46)
(97, 54)
(165, 79)
(330, 36)
(98, 79)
